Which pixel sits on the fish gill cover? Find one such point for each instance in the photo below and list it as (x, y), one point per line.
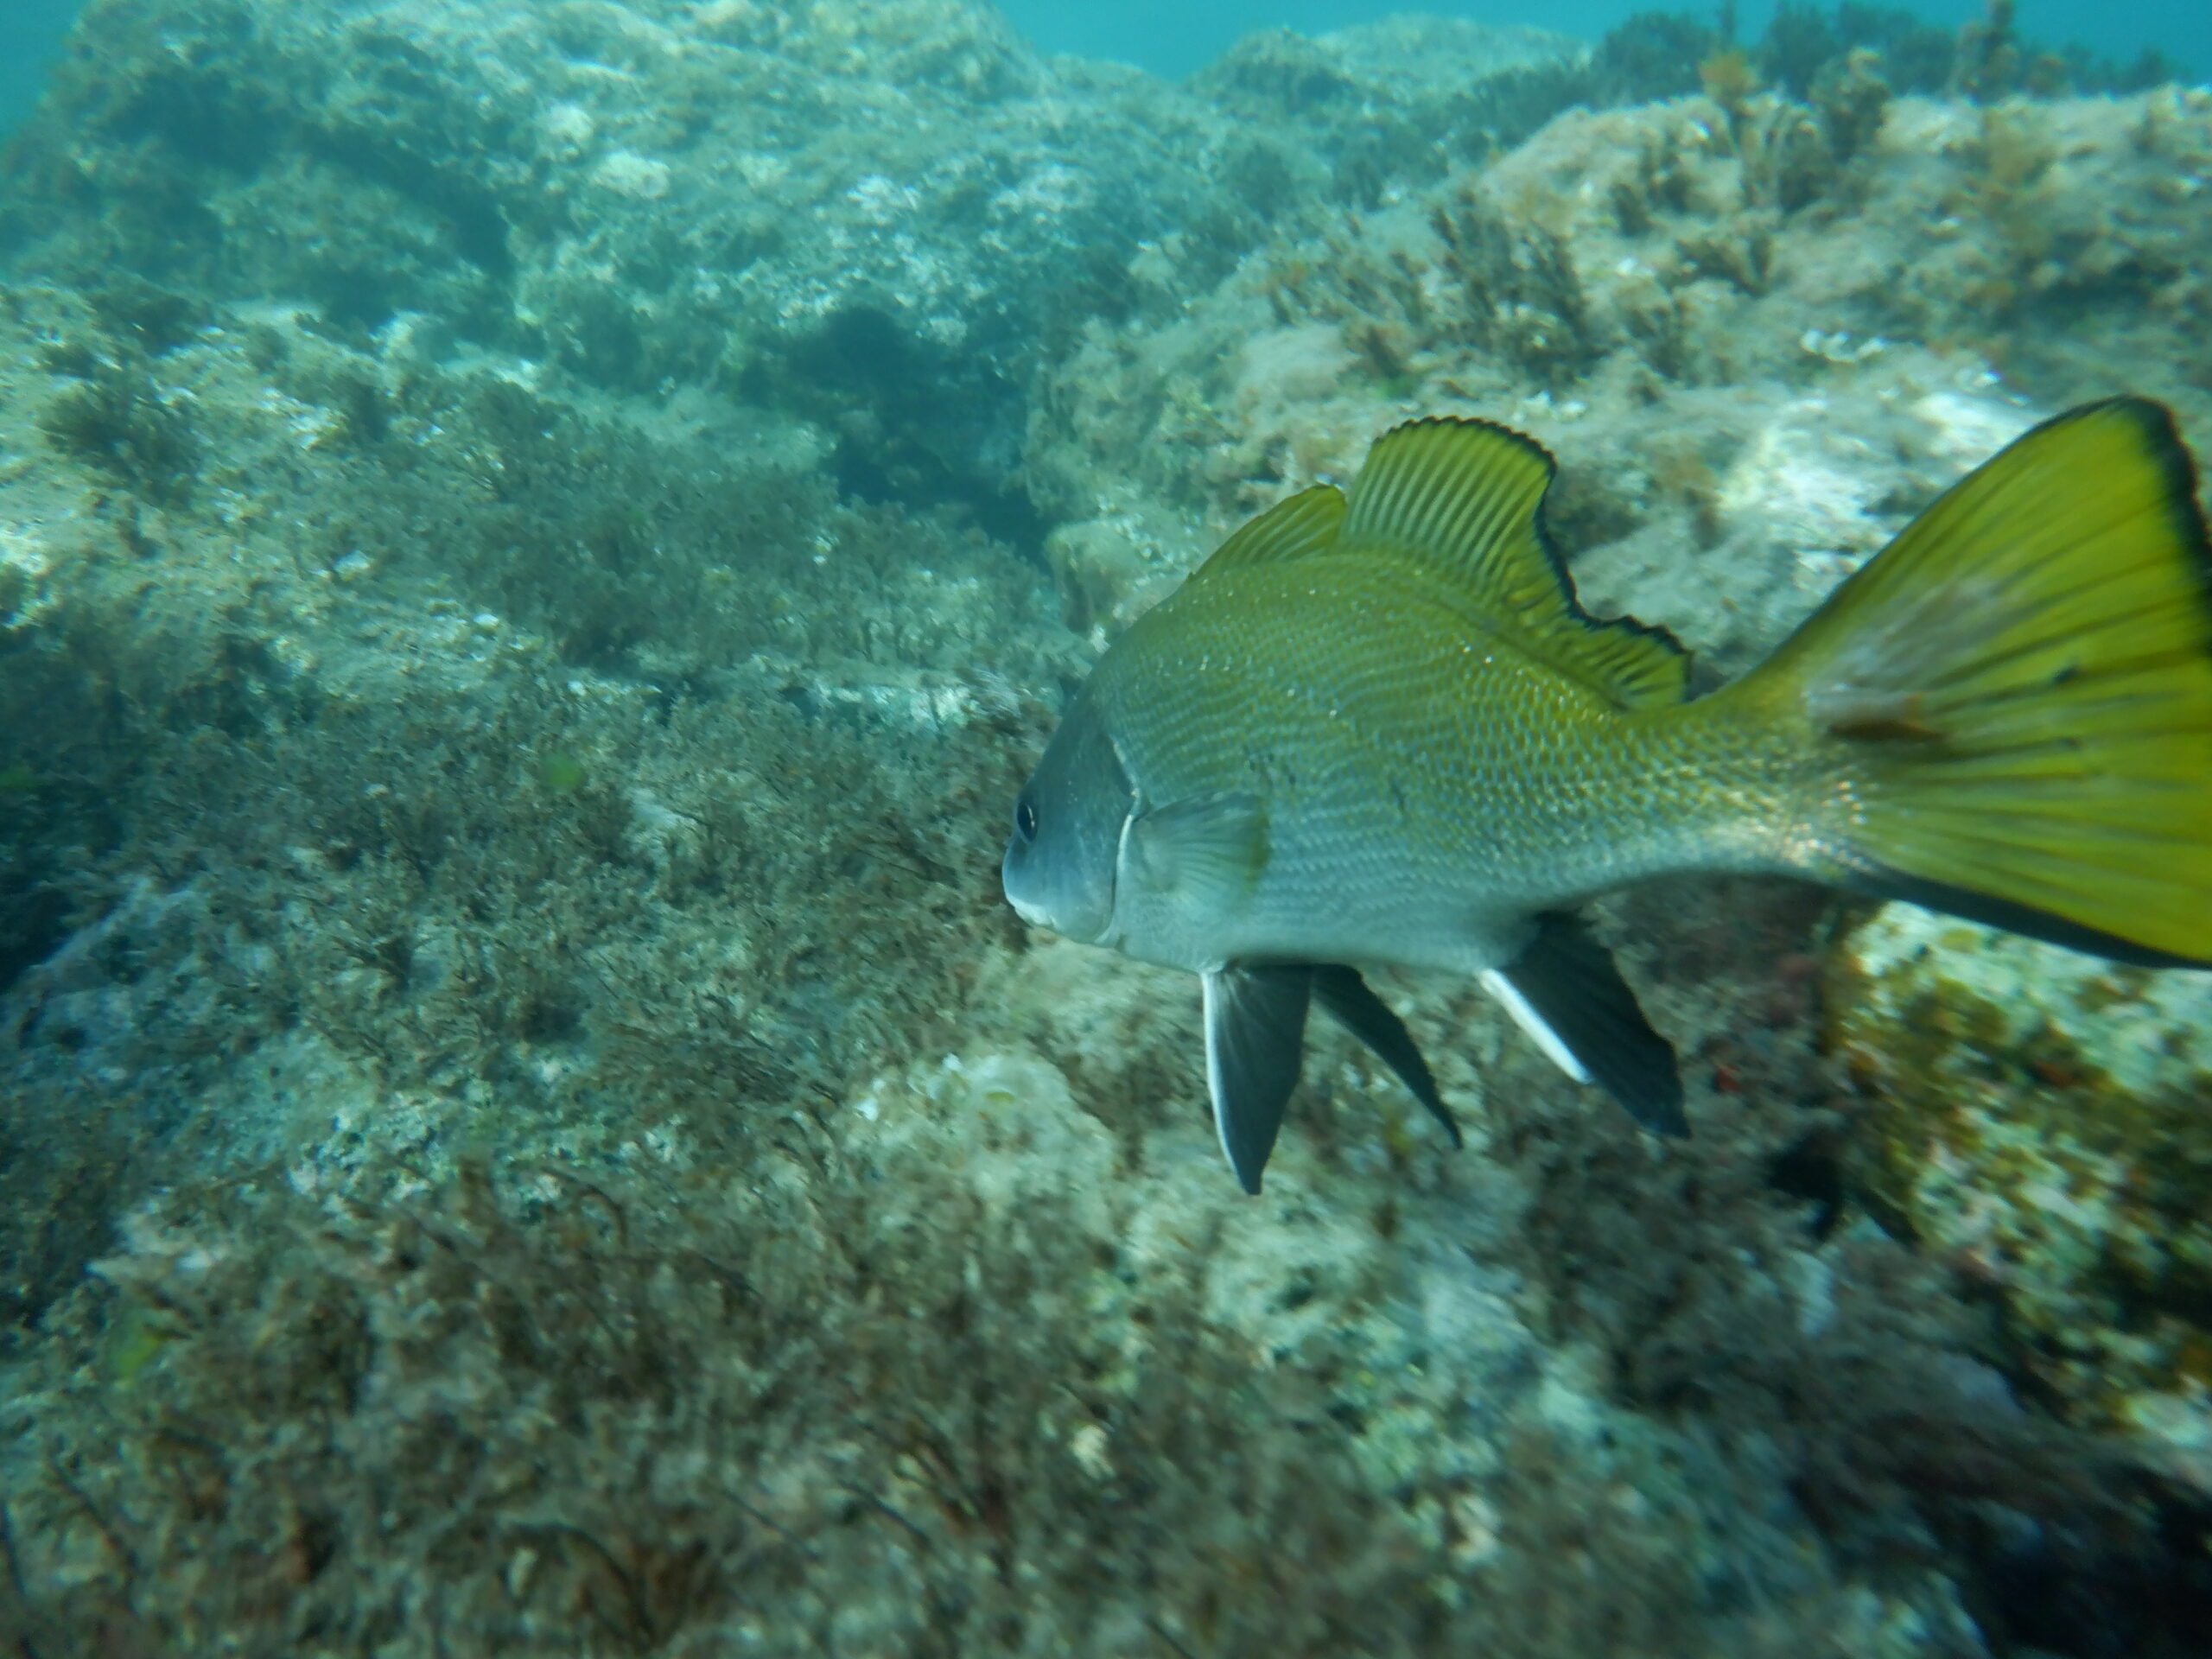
(537, 542)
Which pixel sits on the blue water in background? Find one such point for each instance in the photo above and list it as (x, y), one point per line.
(1173, 37)
(29, 31)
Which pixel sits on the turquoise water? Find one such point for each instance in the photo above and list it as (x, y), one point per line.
(30, 32)
(1173, 39)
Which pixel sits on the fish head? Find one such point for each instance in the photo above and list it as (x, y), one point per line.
(1068, 821)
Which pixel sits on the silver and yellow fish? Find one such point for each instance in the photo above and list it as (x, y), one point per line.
(1377, 728)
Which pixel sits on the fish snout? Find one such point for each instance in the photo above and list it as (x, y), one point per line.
(1027, 904)
(1035, 915)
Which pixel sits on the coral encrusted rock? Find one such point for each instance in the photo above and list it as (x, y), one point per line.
(2045, 1118)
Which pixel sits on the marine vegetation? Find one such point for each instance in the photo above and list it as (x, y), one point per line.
(538, 539)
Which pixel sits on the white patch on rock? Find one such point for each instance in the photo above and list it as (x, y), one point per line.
(1804, 485)
(624, 172)
(1006, 1122)
(1967, 430)
(1290, 364)
(567, 128)
(880, 200)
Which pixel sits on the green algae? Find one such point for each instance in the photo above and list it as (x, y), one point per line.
(521, 777)
(562, 773)
(2038, 1118)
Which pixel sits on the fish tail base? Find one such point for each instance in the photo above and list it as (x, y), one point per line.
(2016, 695)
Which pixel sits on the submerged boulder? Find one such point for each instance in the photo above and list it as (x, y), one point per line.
(2044, 1120)
(882, 217)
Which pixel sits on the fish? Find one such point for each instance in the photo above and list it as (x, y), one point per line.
(1377, 729)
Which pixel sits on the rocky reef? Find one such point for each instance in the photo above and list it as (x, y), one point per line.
(536, 541)
(2037, 1117)
(880, 214)
(1757, 334)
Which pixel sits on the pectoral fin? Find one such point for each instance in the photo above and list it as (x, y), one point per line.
(1349, 997)
(1207, 851)
(1255, 1038)
(1565, 993)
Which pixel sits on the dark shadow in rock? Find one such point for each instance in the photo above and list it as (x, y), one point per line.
(918, 426)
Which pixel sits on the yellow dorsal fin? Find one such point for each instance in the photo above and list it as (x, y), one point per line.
(1462, 497)
(1293, 527)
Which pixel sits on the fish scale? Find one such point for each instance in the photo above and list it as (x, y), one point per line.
(1522, 789)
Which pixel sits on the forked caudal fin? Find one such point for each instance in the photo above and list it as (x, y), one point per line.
(2017, 695)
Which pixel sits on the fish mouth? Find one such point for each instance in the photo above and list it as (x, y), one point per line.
(1028, 910)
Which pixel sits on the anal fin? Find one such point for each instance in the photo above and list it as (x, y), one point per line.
(1566, 992)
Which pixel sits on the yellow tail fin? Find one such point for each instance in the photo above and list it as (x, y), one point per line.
(2017, 693)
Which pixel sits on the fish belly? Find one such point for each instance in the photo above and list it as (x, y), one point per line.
(1360, 899)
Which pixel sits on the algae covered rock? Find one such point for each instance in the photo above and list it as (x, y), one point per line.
(872, 210)
(527, 1124)
(1756, 347)
(2045, 1119)
(1401, 96)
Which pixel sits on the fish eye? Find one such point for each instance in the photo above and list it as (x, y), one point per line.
(1024, 818)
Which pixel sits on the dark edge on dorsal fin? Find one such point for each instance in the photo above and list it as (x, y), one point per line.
(1401, 508)
(1570, 982)
(1256, 1043)
(1354, 1005)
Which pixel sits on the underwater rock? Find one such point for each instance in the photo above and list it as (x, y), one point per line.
(2042, 1120)
(1387, 103)
(939, 1369)
(873, 206)
(874, 215)
(500, 832)
(252, 717)
(1660, 294)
